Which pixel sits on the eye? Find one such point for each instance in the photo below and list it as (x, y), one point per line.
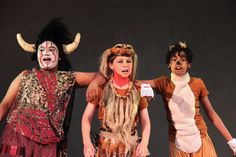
(173, 59)
(41, 49)
(184, 59)
(52, 49)
(129, 61)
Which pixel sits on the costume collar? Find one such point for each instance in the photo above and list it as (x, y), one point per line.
(180, 79)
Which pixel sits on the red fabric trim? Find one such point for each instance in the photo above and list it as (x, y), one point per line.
(48, 81)
(13, 150)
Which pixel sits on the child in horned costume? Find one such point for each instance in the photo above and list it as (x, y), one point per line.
(182, 95)
(39, 101)
(119, 108)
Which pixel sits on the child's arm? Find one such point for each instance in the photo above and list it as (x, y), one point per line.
(93, 81)
(10, 96)
(83, 79)
(151, 82)
(140, 82)
(142, 149)
(216, 120)
(89, 150)
(95, 87)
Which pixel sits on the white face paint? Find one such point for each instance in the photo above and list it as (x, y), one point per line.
(48, 55)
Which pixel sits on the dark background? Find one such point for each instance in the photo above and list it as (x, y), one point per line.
(208, 27)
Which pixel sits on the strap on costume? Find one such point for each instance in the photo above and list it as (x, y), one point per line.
(12, 150)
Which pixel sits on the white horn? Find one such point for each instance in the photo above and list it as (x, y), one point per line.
(26, 46)
(68, 49)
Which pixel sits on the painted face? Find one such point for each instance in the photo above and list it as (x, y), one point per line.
(122, 66)
(179, 64)
(48, 55)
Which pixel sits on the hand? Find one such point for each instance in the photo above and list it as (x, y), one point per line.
(89, 150)
(232, 145)
(147, 91)
(142, 150)
(138, 83)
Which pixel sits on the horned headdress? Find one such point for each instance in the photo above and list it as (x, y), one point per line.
(55, 31)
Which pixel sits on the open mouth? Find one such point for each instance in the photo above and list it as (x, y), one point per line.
(125, 70)
(47, 59)
(178, 68)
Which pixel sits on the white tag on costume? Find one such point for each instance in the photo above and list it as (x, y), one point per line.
(182, 107)
(146, 90)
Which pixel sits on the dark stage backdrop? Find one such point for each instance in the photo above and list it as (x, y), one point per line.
(208, 27)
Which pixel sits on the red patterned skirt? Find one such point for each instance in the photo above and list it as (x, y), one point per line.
(14, 144)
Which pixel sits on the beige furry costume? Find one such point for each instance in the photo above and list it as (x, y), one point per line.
(180, 137)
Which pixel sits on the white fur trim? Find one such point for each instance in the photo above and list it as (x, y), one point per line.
(182, 108)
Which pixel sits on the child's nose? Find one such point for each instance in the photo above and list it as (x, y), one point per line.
(178, 63)
(125, 64)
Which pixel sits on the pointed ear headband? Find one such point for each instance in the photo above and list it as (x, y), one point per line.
(68, 49)
(181, 44)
